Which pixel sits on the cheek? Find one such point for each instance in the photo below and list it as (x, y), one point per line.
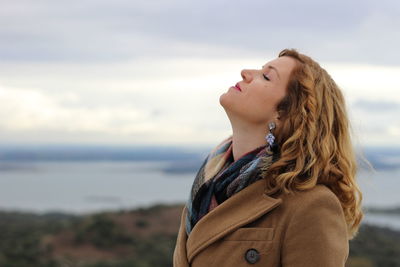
(263, 102)
(258, 108)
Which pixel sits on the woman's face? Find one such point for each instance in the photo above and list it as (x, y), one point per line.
(260, 91)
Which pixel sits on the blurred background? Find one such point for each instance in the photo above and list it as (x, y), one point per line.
(108, 108)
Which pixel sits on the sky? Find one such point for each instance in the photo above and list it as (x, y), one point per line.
(151, 72)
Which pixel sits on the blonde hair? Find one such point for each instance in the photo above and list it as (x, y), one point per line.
(314, 141)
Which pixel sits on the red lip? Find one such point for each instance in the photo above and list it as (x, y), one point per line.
(238, 86)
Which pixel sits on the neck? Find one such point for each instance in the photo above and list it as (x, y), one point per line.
(247, 138)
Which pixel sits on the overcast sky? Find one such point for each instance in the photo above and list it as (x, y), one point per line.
(151, 72)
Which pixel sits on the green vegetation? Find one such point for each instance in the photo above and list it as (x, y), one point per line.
(375, 246)
(143, 237)
(101, 231)
(21, 235)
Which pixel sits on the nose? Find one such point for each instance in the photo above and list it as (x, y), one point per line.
(246, 75)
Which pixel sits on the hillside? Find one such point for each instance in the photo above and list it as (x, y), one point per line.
(143, 237)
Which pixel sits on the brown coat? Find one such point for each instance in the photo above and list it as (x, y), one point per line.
(307, 229)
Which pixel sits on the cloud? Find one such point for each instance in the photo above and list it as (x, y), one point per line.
(377, 106)
(111, 109)
(160, 100)
(104, 31)
(375, 122)
(152, 71)
(28, 109)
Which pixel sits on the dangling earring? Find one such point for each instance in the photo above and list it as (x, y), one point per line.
(270, 137)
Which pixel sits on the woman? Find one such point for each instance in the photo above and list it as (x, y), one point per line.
(281, 190)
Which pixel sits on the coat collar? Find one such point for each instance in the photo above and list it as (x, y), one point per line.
(240, 209)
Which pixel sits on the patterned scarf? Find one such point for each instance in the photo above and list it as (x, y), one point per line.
(219, 178)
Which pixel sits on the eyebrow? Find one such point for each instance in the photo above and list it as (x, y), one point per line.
(272, 67)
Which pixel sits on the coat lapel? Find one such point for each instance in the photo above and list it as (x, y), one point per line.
(240, 209)
(180, 255)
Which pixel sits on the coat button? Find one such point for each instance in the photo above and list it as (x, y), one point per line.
(252, 256)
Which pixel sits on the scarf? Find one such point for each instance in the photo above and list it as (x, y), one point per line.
(220, 177)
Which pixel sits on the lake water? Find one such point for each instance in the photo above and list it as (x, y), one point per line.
(82, 187)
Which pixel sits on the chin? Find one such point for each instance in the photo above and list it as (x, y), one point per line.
(221, 100)
(224, 100)
(229, 106)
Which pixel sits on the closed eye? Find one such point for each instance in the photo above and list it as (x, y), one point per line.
(266, 77)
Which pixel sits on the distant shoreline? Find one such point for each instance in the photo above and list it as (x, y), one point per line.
(187, 158)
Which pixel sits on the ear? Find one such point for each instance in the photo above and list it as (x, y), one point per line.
(276, 116)
(277, 119)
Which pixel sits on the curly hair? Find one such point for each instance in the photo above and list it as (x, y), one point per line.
(313, 140)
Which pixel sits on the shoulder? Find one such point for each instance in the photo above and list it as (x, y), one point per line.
(319, 195)
(316, 219)
(316, 208)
